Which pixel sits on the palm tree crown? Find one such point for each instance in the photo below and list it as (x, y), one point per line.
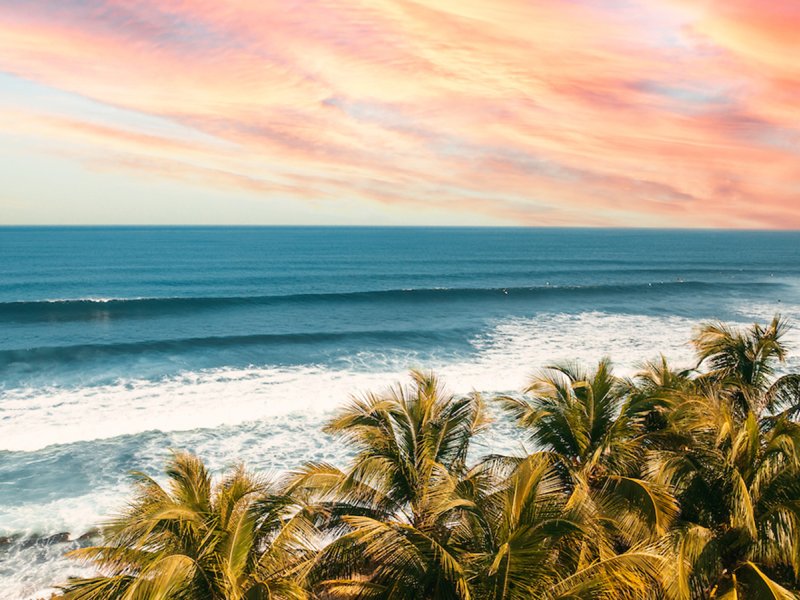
(230, 541)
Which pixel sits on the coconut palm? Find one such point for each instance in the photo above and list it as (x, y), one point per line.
(406, 442)
(495, 536)
(733, 466)
(652, 395)
(743, 364)
(530, 538)
(738, 483)
(394, 503)
(237, 540)
(595, 430)
(411, 520)
(577, 416)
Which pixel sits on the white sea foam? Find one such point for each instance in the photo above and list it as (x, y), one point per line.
(97, 299)
(35, 570)
(504, 358)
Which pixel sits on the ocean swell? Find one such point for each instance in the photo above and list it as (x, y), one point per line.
(115, 308)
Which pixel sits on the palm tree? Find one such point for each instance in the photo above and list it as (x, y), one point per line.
(743, 364)
(528, 537)
(595, 430)
(406, 442)
(578, 417)
(733, 465)
(657, 377)
(237, 540)
(393, 505)
(738, 483)
(410, 520)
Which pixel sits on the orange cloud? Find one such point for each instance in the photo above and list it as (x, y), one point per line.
(654, 113)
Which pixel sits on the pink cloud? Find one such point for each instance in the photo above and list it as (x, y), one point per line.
(657, 113)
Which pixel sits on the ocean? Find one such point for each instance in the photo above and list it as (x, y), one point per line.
(118, 344)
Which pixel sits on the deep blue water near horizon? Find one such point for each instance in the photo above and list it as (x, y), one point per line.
(205, 297)
(117, 343)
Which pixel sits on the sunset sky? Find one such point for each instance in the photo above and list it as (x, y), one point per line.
(670, 113)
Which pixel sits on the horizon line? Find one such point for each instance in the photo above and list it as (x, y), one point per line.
(362, 226)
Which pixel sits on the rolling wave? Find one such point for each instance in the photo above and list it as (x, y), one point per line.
(82, 352)
(115, 308)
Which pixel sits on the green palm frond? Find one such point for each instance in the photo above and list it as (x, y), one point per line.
(644, 510)
(404, 560)
(98, 588)
(197, 540)
(783, 396)
(400, 438)
(631, 575)
(742, 361)
(759, 585)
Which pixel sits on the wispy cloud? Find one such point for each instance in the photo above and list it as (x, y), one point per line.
(670, 112)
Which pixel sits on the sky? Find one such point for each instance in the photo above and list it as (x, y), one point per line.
(662, 113)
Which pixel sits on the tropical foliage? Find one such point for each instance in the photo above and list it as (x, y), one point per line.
(237, 540)
(681, 484)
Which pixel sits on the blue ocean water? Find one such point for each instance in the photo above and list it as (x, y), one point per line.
(119, 343)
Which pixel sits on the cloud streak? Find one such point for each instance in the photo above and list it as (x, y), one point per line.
(660, 113)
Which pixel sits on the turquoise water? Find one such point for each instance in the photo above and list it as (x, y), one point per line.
(119, 343)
